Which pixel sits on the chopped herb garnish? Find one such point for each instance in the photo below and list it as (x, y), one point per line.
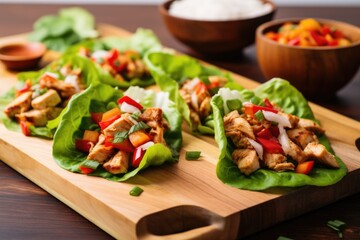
(135, 115)
(136, 191)
(90, 164)
(192, 155)
(120, 136)
(234, 104)
(256, 100)
(259, 115)
(338, 226)
(137, 127)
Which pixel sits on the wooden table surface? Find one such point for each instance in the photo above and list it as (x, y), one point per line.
(28, 212)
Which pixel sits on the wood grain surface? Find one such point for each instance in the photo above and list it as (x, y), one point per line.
(186, 196)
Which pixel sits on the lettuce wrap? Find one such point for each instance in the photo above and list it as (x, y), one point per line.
(88, 76)
(170, 71)
(143, 41)
(292, 102)
(99, 98)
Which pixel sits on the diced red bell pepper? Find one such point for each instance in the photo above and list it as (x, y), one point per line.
(200, 87)
(213, 84)
(83, 145)
(25, 127)
(25, 88)
(125, 145)
(138, 138)
(275, 131)
(337, 34)
(106, 123)
(304, 167)
(268, 103)
(320, 40)
(113, 54)
(294, 42)
(130, 101)
(85, 170)
(334, 42)
(251, 109)
(270, 145)
(265, 133)
(96, 117)
(137, 157)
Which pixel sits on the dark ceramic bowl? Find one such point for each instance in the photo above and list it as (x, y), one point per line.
(22, 56)
(214, 37)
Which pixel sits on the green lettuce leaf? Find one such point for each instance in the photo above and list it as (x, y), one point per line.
(99, 98)
(170, 70)
(291, 101)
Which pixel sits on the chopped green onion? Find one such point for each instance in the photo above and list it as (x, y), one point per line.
(234, 104)
(255, 100)
(192, 155)
(90, 164)
(136, 191)
(284, 238)
(259, 115)
(338, 226)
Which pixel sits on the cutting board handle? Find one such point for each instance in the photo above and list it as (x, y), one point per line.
(181, 222)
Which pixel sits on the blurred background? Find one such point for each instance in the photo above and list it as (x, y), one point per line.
(279, 2)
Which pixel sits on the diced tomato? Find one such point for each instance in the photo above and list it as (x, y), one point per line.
(113, 54)
(334, 42)
(265, 133)
(90, 135)
(304, 167)
(200, 87)
(320, 40)
(251, 109)
(130, 101)
(25, 127)
(96, 116)
(125, 145)
(213, 84)
(275, 131)
(137, 157)
(25, 88)
(83, 145)
(106, 123)
(111, 113)
(268, 103)
(139, 138)
(270, 145)
(85, 170)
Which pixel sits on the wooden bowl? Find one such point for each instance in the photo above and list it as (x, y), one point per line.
(318, 72)
(22, 56)
(214, 37)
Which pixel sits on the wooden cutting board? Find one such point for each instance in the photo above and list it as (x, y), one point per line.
(183, 200)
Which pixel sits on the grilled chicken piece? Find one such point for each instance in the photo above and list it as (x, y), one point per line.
(296, 153)
(119, 125)
(302, 137)
(277, 161)
(20, 104)
(246, 160)
(136, 68)
(294, 120)
(66, 90)
(234, 123)
(205, 108)
(311, 126)
(217, 80)
(158, 135)
(39, 117)
(49, 99)
(99, 152)
(152, 114)
(119, 163)
(239, 140)
(318, 152)
(286, 166)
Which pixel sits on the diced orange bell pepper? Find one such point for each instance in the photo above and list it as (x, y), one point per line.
(111, 113)
(138, 138)
(25, 127)
(304, 167)
(91, 135)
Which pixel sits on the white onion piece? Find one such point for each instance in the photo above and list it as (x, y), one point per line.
(192, 84)
(100, 54)
(146, 145)
(274, 117)
(227, 94)
(53, 75)
(125, 107)
(258, 148)
(284, 139)
(72, 79)
(133, 120)
(194, 101)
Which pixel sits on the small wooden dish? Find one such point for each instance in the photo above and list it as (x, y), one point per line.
(22, 56)
(318, 72)
(214, 37)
